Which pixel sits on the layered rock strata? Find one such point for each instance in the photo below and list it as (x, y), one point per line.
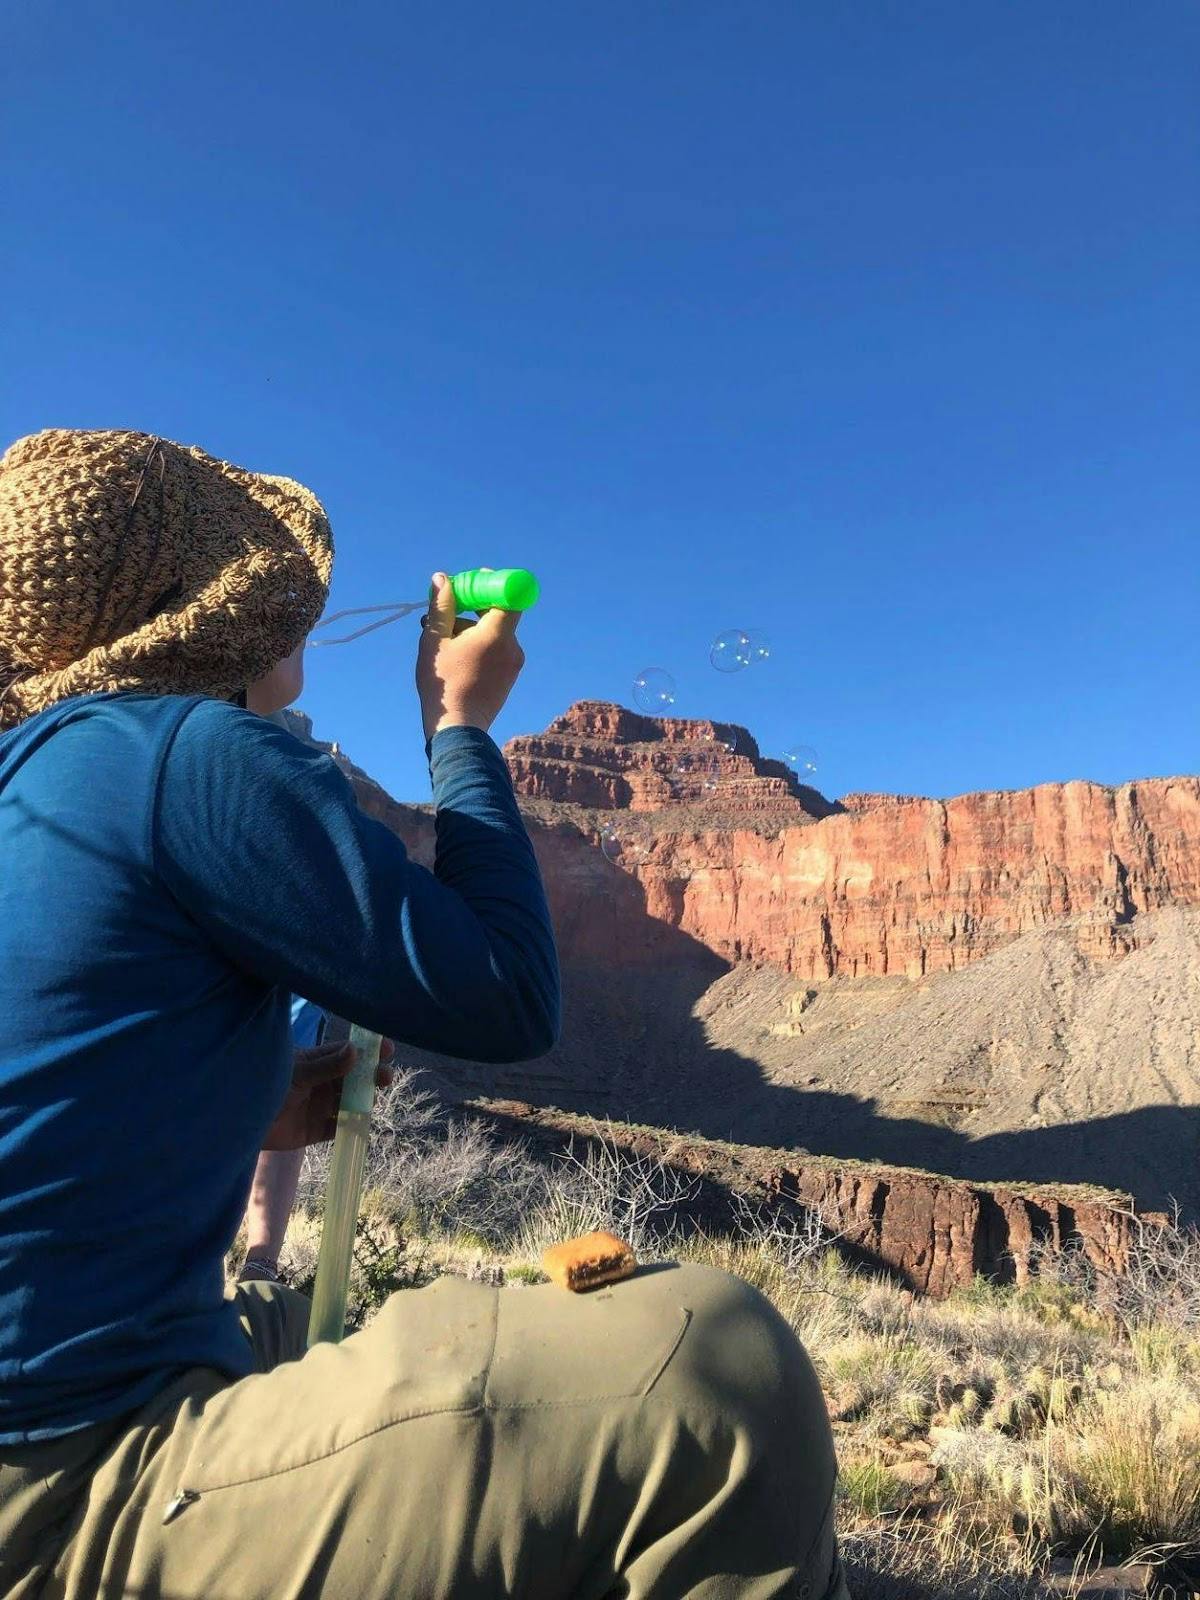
(760, 869)
(604, 757)
(933, 1233)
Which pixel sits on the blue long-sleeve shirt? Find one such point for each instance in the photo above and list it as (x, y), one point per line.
(174, 870)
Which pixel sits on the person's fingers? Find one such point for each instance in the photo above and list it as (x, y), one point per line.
(331, 1047)
(387, 1049)
(500, 624)
(318, 1057)
(322, 1063)
(383, 1077)
(443, 610)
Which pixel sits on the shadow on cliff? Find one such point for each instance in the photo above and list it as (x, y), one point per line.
(632, 1049)
(1152, 1153)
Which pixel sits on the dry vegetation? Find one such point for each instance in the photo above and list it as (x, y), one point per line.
(989, 1443)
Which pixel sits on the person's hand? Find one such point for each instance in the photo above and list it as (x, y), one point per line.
(309, 1114)
(465, 670)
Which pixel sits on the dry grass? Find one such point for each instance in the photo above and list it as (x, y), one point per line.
(978, 1437)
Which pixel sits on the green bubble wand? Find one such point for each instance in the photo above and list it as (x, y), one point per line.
(480, 589)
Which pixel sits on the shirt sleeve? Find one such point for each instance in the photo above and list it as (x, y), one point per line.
(260, 840)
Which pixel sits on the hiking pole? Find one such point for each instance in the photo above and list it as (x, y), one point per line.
(331, 1291)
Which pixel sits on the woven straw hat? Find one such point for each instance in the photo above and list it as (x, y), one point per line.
(128, 562)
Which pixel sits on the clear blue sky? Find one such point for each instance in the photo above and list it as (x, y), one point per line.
(874, 325)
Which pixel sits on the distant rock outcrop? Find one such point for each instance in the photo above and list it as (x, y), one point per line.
(609, 759)
(935, 1234)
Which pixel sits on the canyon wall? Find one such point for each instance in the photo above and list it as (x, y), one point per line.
(756, 867)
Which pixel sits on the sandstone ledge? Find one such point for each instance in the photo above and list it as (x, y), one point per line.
(934, 1233)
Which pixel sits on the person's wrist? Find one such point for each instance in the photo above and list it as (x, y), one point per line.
(260, 1267)
(456, 717)
(460, 722)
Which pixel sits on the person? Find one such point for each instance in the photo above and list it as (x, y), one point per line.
(175, 869)
(276, 1178)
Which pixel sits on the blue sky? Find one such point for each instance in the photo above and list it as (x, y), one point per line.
(873, 325)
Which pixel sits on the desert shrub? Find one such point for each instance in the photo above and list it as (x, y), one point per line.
(635, 1195)
(464, 1181)
(868, 1488)
(1120, 1474)
(382, 1264)
(431, 1174)
(1159, 1285)
(298, 1258)
(1051, 1301)
(1130, 1461)
(889, 1379)
(1007, 1337)
(815, 1297)
(1157, 1350)
(944, 1560)
(885, 1309)
(524, 1272)
(975, 1462)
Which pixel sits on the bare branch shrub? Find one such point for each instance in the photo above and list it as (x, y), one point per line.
(462, 1181)
(431, 1173)
(1160, 1283)
(793, 1240)
(633, 1194)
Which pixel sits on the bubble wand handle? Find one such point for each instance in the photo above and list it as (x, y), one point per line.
(506, 589)
(331, 1288)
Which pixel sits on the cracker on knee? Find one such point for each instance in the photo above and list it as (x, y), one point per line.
(589, 1261)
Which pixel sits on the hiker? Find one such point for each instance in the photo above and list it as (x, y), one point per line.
(277, 1172)
(175, 867)
(276, 1178)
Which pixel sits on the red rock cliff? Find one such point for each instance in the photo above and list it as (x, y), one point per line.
(604, 757)
(757, 867)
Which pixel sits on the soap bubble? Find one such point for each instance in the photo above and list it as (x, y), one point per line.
(731, 650)
(760, 645)
(682, 775)
(802, 759)
(621, 850)
(654, 689)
